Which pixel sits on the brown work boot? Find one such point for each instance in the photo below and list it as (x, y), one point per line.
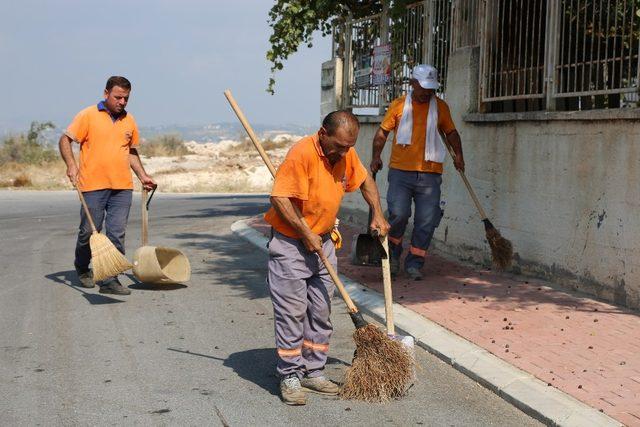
(86, 279)
(113, 286)
(291, 391)
(320, 385)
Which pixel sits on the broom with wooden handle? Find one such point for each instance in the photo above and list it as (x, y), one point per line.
(501, 248)
(107, 260)
(381, 368)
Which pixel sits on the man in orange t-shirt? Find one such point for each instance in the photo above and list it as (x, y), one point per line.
(314, 176)
(419, 121)
(108, 137)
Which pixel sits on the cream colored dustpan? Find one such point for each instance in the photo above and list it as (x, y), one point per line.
(158, 264)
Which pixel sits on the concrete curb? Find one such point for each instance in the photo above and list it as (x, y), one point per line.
(547, 404)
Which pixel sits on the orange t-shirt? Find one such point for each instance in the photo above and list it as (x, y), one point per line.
(104, 149)
(316, 187)
(411, 157)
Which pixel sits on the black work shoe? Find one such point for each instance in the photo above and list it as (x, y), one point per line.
(394, 266)
(113, 286)
(86, 279)
(414, 273)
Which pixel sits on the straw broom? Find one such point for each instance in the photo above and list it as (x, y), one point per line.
(501, 248)
(107, 260)
(382, 368)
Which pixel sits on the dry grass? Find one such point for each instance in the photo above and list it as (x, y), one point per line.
(164, 146)
(22, 180)
(46, 176)
(246, 146)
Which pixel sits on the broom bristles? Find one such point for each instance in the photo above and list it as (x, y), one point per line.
(501, 248)
(381, 370)
(107, 260)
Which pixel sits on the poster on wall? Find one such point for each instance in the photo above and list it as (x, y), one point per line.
(381, 64)
(362, 71)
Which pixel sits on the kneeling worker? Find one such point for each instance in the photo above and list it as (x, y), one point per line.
(314, 176)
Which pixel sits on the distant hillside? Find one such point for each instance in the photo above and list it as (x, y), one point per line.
(201, 133)
(223, 131)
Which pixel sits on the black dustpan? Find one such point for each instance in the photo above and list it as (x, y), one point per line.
(366, 248)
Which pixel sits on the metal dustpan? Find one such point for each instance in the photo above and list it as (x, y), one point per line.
(158, 264)
(366, 248)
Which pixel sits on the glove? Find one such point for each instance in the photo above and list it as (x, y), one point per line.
(336, 237)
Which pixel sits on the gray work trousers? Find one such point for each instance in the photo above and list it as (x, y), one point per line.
(301, 291)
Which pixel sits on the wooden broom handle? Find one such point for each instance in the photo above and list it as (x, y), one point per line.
(145, 217)
(386, 280)
(468, 185)
(265, 157)
(252, 135)
(86, 210)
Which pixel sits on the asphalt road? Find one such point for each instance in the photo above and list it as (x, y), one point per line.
(200, 354)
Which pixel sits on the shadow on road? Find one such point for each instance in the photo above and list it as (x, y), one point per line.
(228, 260)
(70, 277)
(153, 287)
(256, 365)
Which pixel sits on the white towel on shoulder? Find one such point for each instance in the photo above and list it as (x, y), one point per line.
(434, 149)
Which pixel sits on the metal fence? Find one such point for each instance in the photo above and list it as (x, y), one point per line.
(598, 48)
(512, 50)
(572, 54)
(423, 34)
(362, 35)
(464, 26)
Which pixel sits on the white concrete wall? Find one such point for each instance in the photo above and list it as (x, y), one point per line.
(566, 192)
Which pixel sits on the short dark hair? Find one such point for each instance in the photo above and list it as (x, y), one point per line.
(339, 118)
(118, 81)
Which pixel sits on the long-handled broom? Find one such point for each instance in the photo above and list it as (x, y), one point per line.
(501, 248)
(107, 260)
(382, 367)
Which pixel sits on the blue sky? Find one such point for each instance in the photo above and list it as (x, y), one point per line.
(179, 56)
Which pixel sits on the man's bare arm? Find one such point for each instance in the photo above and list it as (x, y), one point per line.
(379, 140)
(372, 197)
(138, 169)
(66, 152)
(453, 140)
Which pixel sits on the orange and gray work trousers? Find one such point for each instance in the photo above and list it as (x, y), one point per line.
(301, 291)
(423, 189)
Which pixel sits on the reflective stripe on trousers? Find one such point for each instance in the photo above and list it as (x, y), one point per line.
(301, 291)
(422, 188)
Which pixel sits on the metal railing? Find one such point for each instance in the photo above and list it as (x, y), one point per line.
(598, 48)
(408, 48)
(573, 54)
(423, 34)
(512, 50)
(465, 16)
(362, 35)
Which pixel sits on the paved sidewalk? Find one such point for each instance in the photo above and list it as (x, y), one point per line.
(585, 348)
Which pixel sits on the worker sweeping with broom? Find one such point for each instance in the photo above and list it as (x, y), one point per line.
(314, 176)
(415, 169)
(108, 137)
(420, 120)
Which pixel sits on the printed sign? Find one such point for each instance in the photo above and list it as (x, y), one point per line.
(381, 64)
(362, 72)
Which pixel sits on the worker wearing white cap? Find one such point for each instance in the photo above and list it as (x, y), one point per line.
(422, 124)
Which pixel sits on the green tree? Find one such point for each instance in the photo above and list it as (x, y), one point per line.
(294, 22)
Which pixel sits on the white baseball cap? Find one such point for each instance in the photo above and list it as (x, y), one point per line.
(426, 75)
